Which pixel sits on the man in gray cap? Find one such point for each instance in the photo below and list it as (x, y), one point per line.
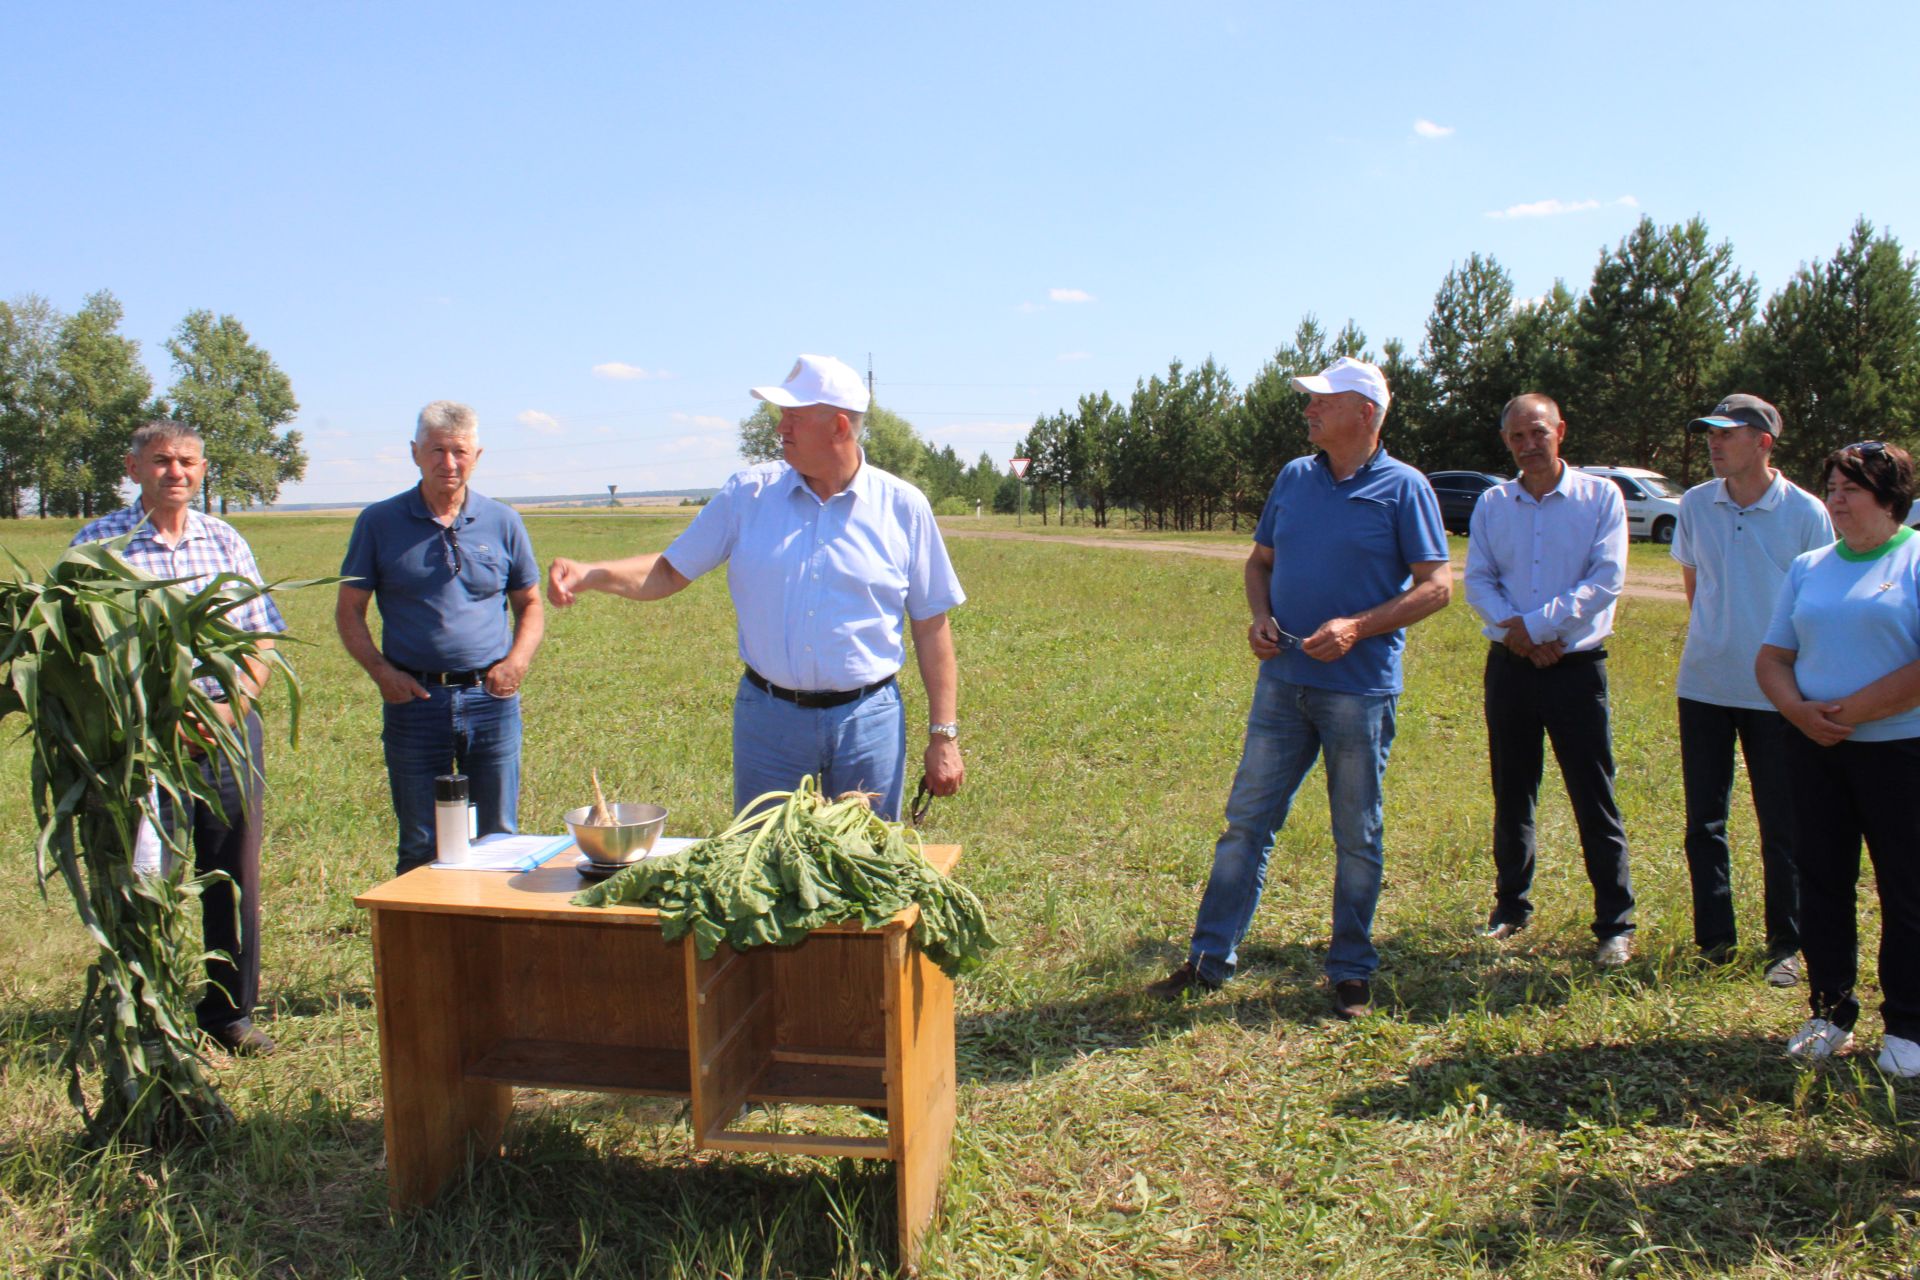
(1736, 536)
(1349, 552)
(827, 558)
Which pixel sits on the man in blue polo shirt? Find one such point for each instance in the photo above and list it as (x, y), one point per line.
(1737, 536)
(1349, 552)
(828, 558)
(460, 613)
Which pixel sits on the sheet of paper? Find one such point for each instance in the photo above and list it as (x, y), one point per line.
(502, 852)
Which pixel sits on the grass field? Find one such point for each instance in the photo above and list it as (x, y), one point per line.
(1511, 1111)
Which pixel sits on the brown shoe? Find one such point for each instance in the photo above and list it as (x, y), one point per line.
(1181, 983)
(1352, 998)
(243, 1040)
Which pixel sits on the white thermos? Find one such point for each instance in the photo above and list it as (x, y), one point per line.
(452, 817)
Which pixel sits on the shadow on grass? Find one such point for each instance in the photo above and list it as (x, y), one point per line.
(582, 1190)
(1428, 977)
(1674, 1081)
(1718, 1213)
(1719, 1218)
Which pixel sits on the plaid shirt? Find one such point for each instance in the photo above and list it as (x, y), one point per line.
(208, 547)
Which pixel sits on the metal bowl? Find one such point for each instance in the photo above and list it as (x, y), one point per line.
(636, 827)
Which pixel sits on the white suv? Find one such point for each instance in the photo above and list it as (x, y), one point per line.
(1653, 501)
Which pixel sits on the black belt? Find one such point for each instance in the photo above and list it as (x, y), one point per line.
(452, 679)
(1579, 659)
(812, 698)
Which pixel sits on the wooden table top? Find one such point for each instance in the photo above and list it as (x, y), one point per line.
(543, 893)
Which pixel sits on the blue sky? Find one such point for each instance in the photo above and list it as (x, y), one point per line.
(600, 224)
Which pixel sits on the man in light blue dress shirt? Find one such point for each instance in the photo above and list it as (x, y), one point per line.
(828, 557)
(1546, 558)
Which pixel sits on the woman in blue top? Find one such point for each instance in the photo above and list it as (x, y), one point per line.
(1841, 661)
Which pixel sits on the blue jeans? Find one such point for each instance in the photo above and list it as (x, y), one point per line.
(454, 731)
(861, 746)
(1288, 727)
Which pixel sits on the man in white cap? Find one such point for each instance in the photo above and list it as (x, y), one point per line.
(827, 557)
(1736, 537)
(1348, 553)
(1546, 557)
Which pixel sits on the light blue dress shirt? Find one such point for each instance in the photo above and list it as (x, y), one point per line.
(822, 589)
(1556, 562)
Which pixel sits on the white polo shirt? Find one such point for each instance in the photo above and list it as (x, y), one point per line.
(822, 589)
(1739, 557)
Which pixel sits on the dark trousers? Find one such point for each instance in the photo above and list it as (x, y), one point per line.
(1707, 735)
(1567, 703)
(1844, 794)
(229, 841)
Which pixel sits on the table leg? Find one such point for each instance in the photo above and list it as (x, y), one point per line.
(920, 1085)
(434, 1115)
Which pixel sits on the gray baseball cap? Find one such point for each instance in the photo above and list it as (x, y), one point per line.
(1740, 411)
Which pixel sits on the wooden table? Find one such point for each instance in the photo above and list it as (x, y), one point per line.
(486, 980)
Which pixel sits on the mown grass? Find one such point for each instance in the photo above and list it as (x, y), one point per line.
(1511, 1112)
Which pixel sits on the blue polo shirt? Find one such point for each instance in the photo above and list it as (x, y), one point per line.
(433, 618)
(1340, 548)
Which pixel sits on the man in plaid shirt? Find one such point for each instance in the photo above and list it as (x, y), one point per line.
(168, 461)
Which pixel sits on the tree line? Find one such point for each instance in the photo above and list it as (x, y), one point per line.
(1667, 325)
(73, 391)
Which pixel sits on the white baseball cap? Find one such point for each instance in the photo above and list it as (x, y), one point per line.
(1347, 374)
(818, 380)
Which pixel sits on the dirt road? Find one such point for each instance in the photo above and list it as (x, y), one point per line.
(1640, 582)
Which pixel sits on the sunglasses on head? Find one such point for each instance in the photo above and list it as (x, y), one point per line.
(1865, 447)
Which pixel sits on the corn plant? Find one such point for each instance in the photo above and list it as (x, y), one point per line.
(101, 658)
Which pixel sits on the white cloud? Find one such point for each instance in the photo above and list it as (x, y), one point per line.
(1554, 208)
(1428, 129)
(1544, 209)
(544, 423)
(1068, 357)
(1028, 308)
(624, 372)
(707, 420)
(1069, 295)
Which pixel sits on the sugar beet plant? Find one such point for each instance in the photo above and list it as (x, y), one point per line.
(100, 657)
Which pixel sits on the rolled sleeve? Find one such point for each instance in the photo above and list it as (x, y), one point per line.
(707, 542)
(932, 586)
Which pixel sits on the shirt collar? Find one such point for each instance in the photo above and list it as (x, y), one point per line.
(1560, 486)
(196, 525)
(1767, 501)
(861, 486)
(417, 506)
(1378, 455)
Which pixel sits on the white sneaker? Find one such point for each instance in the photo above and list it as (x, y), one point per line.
(1817, 1039)
(1899, 1057)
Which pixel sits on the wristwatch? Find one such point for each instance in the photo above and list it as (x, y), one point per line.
(951, 732)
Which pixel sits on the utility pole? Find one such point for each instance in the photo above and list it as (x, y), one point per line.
(869, 377)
